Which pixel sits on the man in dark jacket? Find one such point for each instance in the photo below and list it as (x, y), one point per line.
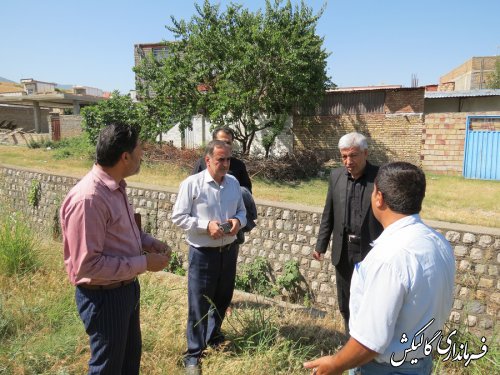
(348, 215)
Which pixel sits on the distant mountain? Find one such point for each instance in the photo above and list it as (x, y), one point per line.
(6, 80)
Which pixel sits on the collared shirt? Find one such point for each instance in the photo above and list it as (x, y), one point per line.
(102, 243)
(200, 200)
(354, 203)
(405, 281)
(236, 168)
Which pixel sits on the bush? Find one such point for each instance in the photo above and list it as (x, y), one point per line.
(256, 278)
(17, 245)
(175, 265)
(185, 158)
(301, 165)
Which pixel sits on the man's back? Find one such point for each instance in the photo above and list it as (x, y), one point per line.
(414, 262)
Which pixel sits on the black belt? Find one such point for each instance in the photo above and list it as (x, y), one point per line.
(220, 249)
(108, 286)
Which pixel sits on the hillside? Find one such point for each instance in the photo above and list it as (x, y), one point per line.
(2, 79)
(10, 87)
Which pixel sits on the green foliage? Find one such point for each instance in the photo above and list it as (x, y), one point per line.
(240, 69)
(494, 81)
(255, 277)
(175, 265)
(290, 278)
(41, 143)
(34, 193)
(17, 245)
(117, 109)
(56, 222)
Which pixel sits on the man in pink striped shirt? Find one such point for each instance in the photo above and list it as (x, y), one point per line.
(104, 251)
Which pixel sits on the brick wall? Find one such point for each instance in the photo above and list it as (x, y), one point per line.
(24, 117)
(286, 232)
(404, 101)
(443, 141)
(390, 136)
(394, 134)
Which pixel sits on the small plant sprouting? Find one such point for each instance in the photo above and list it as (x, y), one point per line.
(34, 193)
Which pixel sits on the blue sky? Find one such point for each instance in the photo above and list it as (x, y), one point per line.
(371, 42)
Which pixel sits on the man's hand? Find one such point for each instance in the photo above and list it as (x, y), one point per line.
(323, 366)
(214, 231)
(317, 256)
(160, 247)
(235, 227)
(156, 262)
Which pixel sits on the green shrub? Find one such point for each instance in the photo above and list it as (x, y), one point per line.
(175, 265)
(17, 245)
(256, 277)
(34, 193)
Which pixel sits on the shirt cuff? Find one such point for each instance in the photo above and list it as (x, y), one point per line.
(203, 224)
(139, 264)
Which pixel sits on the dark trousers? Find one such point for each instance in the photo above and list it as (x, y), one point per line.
(210, 290)
(343, 275)
(111, 319)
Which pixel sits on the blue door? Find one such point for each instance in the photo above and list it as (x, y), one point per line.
(482, 148)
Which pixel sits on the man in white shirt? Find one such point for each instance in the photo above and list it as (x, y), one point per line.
(402, 292)
(209, 207)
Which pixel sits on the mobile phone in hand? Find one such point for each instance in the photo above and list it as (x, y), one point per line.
(226, 227)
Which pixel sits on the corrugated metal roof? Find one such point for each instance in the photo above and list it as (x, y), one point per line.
(461, 94)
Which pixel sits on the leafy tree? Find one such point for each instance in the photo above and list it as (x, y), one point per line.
(494, 81)
(118, 108)
(240, 69)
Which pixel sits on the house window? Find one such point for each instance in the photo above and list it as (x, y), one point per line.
(160, 53)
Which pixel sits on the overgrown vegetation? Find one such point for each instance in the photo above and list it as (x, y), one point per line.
(17, 244)
(76, 147)
(494, 80)
(175, 265)
(256, 277)
(41, 333)
(34, 194)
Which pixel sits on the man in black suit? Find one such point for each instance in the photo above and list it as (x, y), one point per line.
(348, 215)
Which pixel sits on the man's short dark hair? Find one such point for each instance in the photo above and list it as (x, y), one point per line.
(114, 140)
(212, 145)
(403, 187)
(224, 129)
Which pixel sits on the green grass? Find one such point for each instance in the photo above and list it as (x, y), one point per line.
(17, 243)
(448, 198)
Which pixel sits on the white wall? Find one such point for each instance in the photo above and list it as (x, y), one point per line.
(197, 137)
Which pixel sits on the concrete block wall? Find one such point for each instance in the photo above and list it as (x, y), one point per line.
(24, 118)
(71, 126)
(287, 232)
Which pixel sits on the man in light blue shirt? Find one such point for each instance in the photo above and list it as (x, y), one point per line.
(402, 292)
(209, 207)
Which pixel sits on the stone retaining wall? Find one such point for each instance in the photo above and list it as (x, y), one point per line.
(285, 232)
